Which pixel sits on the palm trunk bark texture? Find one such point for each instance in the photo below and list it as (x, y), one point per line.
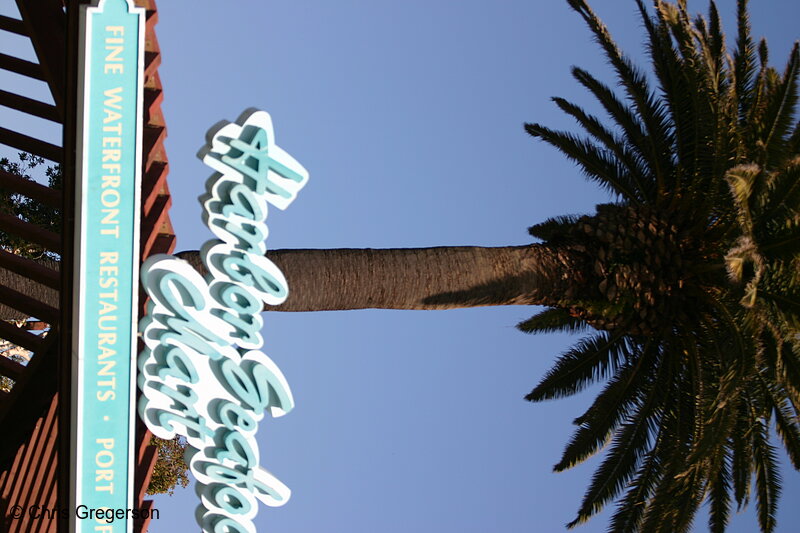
(422, 278)
(399, 278)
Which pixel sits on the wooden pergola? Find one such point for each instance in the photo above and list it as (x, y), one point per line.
(34, 460)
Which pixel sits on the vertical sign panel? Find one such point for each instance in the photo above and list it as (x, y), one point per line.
(107, 261)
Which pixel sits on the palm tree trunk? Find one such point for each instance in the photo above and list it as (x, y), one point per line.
(400, 278)
(422, 278)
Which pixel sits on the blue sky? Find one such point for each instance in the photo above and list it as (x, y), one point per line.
(408, 116)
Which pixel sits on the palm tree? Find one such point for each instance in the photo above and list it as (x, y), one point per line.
(688, 283)
(690, 279)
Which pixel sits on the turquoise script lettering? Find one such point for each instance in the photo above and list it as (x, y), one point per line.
(202, 373)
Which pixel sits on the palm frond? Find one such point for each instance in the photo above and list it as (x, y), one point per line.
(741, 446)
(787, 423)
(691, 277)
(744, 59)
(612, 143)
(719, 496)
(552, 321)
(597, 164)
(654, 157)
(629, 447)
(647, 106)
(591, 359)
(630, 510)
(609, 409)
(779, 112)
(554, 229)
(768, 479)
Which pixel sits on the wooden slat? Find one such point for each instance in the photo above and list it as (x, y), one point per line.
(14, 469)
(64, 366)
(154, 184)
(141, 524)
(19, 336)
(30, 269)
(12, 25)
(31, 189)
(21, 66)
(30, 144)
(25, 467)
(158, 216)
(30, 232)
(11, 368)
(30, 399)
(31, 481)
(155, 217)
(46, 23)
(29, 105)
(152, 144)
(157, 235)
(162, 244)
(144, 472)
(41, 480)
(29, 306)
(153, 98)
(143, 435)
(151, 62)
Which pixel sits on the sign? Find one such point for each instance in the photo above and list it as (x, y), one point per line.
(202, 373)
(106, 263)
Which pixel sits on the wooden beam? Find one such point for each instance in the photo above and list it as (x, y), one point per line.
(13, 25)
(20, 337)
(142, 524)
(30, 232)
(31, 189)
(21, 66)
(31, 145)
(63, 366)
(31, 396)
(30, 269)
(153, 144)
(10, 368)
(29, 306)
(39, 481)
(30, 106)
(151, 62)
(144, 472)
(164, 243)
(153, 98)
(158, 210)
(158, 215)
(154, 184)
(46, 23)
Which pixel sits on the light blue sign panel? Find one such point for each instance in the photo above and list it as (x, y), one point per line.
(107, 261)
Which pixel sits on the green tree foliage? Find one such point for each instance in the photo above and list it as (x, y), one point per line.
(27, 209)
(695, 282)
(170, 469)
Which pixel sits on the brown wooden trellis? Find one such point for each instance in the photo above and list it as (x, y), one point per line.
(32, 472)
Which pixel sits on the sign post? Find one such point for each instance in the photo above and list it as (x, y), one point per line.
(109, 152)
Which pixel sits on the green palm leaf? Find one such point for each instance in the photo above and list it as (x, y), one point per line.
(593, 358)
(609, 409)
(768, 479)
(552, 321)
(692, 276)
